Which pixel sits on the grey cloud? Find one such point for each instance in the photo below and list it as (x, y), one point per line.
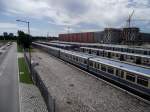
(92, 13)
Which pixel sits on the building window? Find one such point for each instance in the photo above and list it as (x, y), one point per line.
(130, 77)
(142, 81)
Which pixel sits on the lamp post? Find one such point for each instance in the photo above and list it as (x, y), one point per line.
(28, 24)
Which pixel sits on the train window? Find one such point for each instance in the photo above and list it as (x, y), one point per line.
(142, 81)
(146, 60)
(103, 67)
(90, 63)
(112, 54)
(73, 58)
(130, 77)
(119, 73)
(98, 66)
(131, 57)
(110, 70)
(145, 53)
(117, 55)
(76, 58)
(95, 65)
(85, 62)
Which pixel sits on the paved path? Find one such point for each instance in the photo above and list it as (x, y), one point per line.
(9, 93)
(76, 91)
(31, 99)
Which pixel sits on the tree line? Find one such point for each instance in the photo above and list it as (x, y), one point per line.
(24, 39)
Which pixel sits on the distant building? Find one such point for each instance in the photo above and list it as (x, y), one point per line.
(11, 34)
(99, 37)
(5, 34)
(130, 35)
(145, 37)
(112, 35)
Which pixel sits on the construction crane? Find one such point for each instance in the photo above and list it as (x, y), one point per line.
(68, 29)
(129, 19)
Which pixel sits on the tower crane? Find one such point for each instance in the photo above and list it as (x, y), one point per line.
(129, 19)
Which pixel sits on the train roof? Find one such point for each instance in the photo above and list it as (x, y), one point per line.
(82, 55)
(57, 44)
(119, 52)
(46, 46)
(127, 67)
(106, 45)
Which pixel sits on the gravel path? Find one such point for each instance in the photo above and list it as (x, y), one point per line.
(76, 91)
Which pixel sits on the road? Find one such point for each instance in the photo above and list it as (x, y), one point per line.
(9, 92)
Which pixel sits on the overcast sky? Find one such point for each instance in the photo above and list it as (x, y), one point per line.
(54, 16)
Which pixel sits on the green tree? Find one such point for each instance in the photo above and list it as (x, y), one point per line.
(24, 39)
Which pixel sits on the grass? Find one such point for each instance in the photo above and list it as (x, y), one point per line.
(20, 49)
(7, 40)
(24, 74)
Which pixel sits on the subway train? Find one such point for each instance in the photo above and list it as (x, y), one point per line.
(136, 79)
(60, 45)
(122, 56)
(121, 48)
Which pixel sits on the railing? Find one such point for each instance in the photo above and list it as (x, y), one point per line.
(50, 102)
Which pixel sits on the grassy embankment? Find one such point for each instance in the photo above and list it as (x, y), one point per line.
(24, 74)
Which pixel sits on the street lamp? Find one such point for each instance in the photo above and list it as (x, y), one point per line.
(28, 23)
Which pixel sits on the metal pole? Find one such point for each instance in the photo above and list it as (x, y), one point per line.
(28, 23)
(29, 47)
(29, 28)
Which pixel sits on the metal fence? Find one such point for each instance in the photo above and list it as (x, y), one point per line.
(50, 102)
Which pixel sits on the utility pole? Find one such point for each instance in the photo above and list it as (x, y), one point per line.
(28, 24)
(68, 29)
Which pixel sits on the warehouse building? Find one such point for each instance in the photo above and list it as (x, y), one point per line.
(145, 37)
(108, 36)
(99, 37)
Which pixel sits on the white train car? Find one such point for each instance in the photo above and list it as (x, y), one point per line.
(122, 56)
